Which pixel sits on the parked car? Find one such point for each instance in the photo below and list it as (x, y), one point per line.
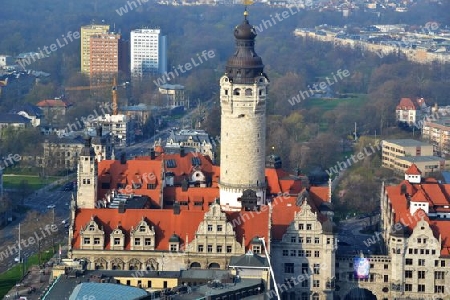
(51, 206)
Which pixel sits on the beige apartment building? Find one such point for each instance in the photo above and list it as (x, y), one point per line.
(400, 154)
(437, 132)
(86, 32)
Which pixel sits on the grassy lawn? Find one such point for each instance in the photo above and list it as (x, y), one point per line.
(356, 101)
(33, 182)
(11, 277)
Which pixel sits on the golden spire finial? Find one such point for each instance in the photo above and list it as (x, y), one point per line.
(246, 3)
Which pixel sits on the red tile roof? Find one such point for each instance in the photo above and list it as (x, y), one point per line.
(144, 170)
(165, 222)
(52, 103)
(413, 170)
(437, 195)
(406, 104)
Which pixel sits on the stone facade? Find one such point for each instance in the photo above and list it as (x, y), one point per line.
(304, 260)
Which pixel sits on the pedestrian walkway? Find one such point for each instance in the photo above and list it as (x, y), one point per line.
(33, 284)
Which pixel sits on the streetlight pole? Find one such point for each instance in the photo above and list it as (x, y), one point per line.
(270, 268)
(53, 223)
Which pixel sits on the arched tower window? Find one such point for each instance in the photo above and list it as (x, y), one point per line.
(237, 92)
(248, 92)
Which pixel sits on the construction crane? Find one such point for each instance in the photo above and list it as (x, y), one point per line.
(270, 268)
(114, 88)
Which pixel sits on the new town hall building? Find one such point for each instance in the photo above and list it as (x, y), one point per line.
(170, 212)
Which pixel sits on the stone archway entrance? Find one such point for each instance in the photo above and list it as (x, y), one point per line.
(360, 294)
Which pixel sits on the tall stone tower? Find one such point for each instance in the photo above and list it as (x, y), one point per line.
(243, 92)
(87, 177)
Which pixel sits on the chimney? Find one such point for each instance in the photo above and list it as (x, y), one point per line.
(182, 151)
(176, 208)
(403, 189)
(123, 158)
(87, 142)
(121, 207)
(152, 153)
(99, 131)
(184, 185)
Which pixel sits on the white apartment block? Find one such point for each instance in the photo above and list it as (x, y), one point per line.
(148, 52)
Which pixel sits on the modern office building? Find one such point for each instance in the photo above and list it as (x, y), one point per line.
(148, 52)
(400, 154)
(86, 32)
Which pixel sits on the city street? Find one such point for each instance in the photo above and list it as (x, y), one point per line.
(350, 240)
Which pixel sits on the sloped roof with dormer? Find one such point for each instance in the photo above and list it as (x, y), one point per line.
(406, 104)
(413, 170)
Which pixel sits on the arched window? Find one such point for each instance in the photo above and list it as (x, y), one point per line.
(237, 92)
(248, 92)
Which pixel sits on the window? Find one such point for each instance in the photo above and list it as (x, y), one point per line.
(419, 240)
(421, 274)
(173, 247)
(316, 240)
(300, 239)
(439, 289)
(219, 228)
(293, 239)
(96, 241)
(210, 228)
(308, 253)
(86, 241)
(300, 226)
(148, 242)
(256, 249)
(316, 253)
(285, 252)
(408, 287)
(408, 274)
(200, 248)
(229, 249)
(151, 186)
(421, 288)
(316, 283)
(209, 248)
(386, 266)
(409, 261)
(137, 241)
(305, 268)
(293, 252)
(421, 262)
(316, 268)
(308, 226)
(443, 263)
(116, 241)
(385, 278)
(328, 241)
(289, 268)
(439, 275)
(219, 248)
(91, 227)
(301, 253)
(308, 240)
(305, 283)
